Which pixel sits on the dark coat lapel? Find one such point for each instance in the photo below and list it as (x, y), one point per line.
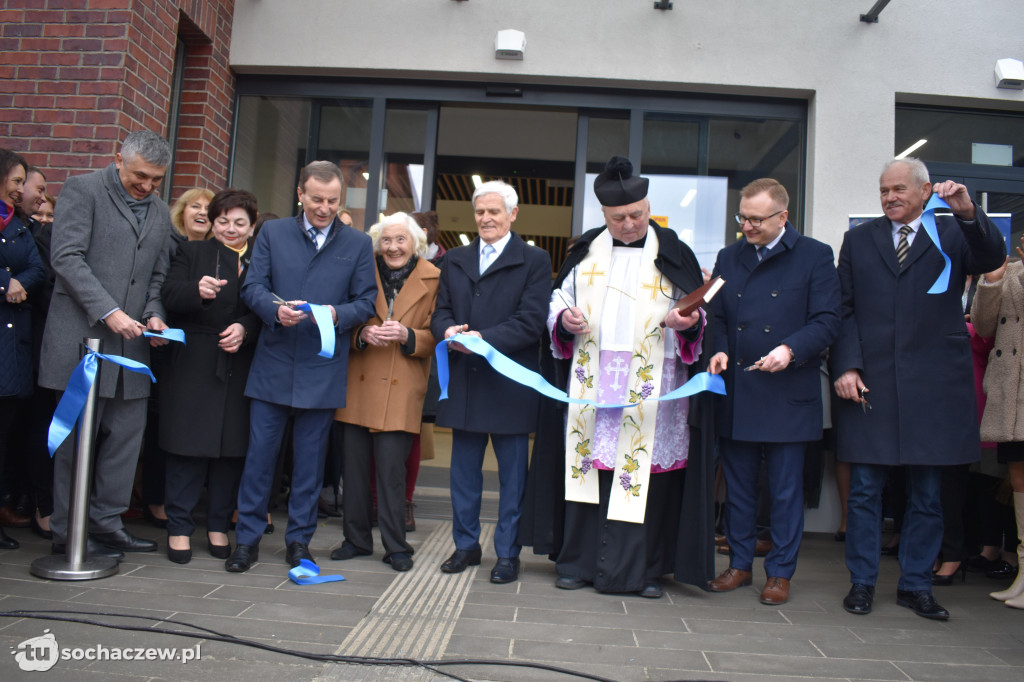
(882, 236)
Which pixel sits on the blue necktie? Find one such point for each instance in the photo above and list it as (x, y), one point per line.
(762, 251)
(486, 255)
(313, 232)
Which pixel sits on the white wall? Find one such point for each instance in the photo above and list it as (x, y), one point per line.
(851, 73)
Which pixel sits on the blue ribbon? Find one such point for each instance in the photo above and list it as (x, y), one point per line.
(928, 222)
(71, 404)
(325, 323)
(169, 334)
(511, 369)
(308, 573)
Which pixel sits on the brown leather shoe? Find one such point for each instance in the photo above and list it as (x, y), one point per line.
(761, 548)
(730, 579)
(720, 540)
(775, 592)
(11, 519)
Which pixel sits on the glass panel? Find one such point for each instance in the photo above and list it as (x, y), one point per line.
(670, 145)
(345, 140)
(405, 133)
(1006, 209)
(743, 150)
(606, 137)
(961, 137)
(270, 147)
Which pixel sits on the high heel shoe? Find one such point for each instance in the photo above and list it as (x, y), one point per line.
(179, 556)
(942, 580)
(218, 551)
(39, 530)
(152, 519)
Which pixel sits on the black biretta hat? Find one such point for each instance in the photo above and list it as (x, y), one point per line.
(616, 185)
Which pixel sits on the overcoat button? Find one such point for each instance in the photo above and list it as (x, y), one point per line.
(999, 353)
(775, 294)
(767, 329)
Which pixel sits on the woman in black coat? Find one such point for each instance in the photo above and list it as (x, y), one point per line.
(204, 414)
(21, 277)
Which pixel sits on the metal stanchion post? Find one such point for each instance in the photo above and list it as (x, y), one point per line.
(75, 564)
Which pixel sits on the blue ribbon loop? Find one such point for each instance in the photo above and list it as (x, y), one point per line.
(308, 573)
(511, 369)
(928, 222)
(325, 323)
(169, 334)
(71, 404)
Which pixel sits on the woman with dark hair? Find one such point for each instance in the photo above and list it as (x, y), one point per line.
(204, 414)
(21, 275)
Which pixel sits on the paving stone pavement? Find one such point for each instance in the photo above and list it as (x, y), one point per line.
(689, 634)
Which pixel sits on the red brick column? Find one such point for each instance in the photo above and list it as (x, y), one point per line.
(76, 76)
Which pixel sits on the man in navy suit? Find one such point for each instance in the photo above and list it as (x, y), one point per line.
(908, 352)
(313, 258)
(496, 288)
(775, 316)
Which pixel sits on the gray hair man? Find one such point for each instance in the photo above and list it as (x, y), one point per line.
(110, 251)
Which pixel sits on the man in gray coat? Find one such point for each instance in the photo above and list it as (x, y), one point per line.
(110, 251)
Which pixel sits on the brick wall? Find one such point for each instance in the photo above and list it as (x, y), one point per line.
(76, 76)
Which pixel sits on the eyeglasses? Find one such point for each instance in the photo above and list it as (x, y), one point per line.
(755, 222)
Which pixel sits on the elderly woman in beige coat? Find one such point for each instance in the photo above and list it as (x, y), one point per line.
(387, 381)
(998, 311)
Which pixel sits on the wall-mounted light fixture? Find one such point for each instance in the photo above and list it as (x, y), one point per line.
(1010, 74)
(509, 44)
(872, 16)
(663, 4)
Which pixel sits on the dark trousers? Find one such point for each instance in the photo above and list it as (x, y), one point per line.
(956, 481)
(784, 462)
(387, 450)
(121, 425)
(467, 484)
(40, 470)
(184, 484)
(920, 536)
(266, 428)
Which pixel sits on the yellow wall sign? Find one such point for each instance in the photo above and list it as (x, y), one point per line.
(662, 220)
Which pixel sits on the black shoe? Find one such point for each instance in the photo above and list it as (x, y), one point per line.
(461, 559)
(839, 536)
(505, 571)
(296, 552)
(860, 599)
(1003, 570)
(269, 530)
(567, 582)
(218, 551)
(326, 510)
(400, 561)
(152, 519)
(894, 550)
(179, 556)
(652, 590)
(348, 551)
(7, 542)
(922, 603)
(92, 548)
(946, 580)
(39, 530)
(242, 559)
(123, 540)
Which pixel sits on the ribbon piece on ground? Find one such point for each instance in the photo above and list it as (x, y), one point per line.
(71, 404)
(308, 573)
(325, 323)
(928, 222)
(169, 334)
(511, 369)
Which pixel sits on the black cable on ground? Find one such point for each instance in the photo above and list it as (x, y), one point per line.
(213, 635)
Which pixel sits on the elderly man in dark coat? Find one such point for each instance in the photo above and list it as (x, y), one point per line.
(902, 364)
(110, 250)
(314, 258)
(495, 288)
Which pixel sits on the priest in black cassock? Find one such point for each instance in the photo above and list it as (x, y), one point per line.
(622, 496)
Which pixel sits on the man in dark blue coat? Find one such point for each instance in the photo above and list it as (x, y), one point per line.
(496, 288)
(908, 352)
(310, 258)
(775, 316)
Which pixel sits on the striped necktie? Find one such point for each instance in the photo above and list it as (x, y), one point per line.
(313, 233)
(903, 248)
